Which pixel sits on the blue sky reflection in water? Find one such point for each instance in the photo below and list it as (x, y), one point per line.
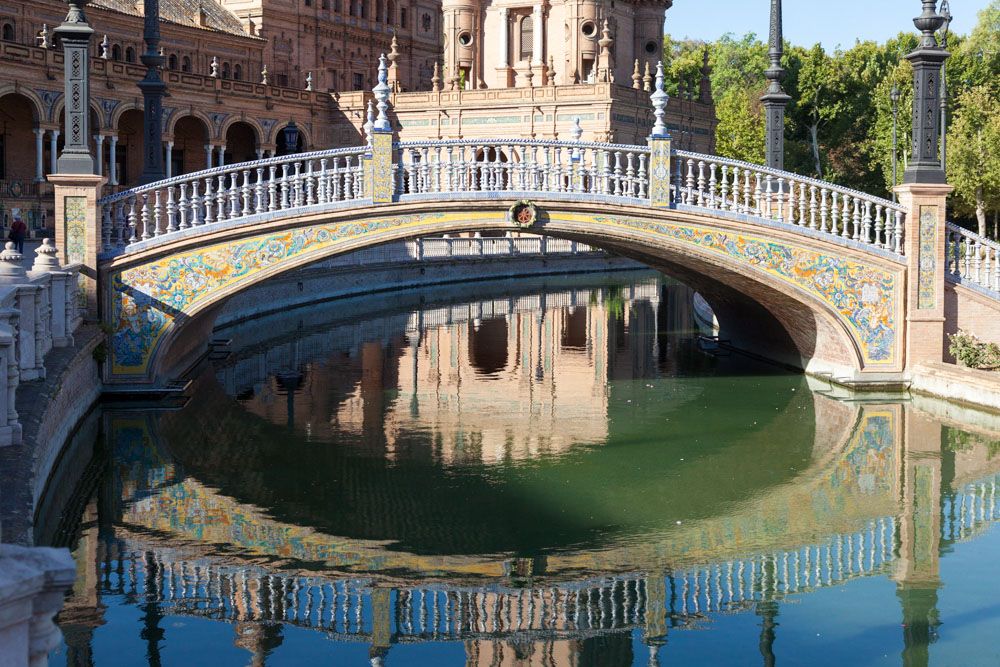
(558, 472)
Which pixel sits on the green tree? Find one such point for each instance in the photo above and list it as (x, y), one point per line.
(974, 153)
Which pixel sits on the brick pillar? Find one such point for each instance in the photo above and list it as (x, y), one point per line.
(78, 229)
(924, 244)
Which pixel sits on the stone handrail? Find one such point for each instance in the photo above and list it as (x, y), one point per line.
(230, 193)
(488, 169)
(715, 183)
(39, 310)
(972, 259)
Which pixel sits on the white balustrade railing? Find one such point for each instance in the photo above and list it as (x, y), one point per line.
(231, 193)
(971, 258)
(721, 184)
(491, 169)
(518, 165)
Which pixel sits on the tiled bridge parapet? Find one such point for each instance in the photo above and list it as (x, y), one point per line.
(839, 261)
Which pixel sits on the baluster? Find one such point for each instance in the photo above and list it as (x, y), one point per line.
(106, 212)
(132, 220)
(746, 191)
(643, 176)
(996, 269)
(234, 192)
(834, 211)
(272, 188)
(120, 220)
(712, 185)
(310, 184)
(977, 262)
(701, 183)
(769, 198)
(845, 218)
(898, 235)
(171, 210)
(285, 185)
(802, 204)
(724, 188)
(322, 189)
(823, 210)
(758, 208)
(856, 219)
(157, 213)
(689, 183)
(144, 216)
(297, 189)
(630, 174)
(337, 181)
(220, 199)
(259, 195)
(246, 209)
(788, 200)
(967, 269)
(987, 267)
(866, 223)
(184, 208)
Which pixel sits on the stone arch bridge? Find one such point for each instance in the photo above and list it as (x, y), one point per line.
(826, 278)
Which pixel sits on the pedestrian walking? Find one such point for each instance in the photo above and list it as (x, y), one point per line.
(18, 230)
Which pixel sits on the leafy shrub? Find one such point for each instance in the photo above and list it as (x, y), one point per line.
(974, 353)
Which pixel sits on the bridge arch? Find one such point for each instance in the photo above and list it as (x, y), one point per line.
(845, 304)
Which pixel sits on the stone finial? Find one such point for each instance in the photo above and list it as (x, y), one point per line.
(393, 67)
(436, 78)
(605, 69)
(309, 81)
(576, 132)
(552, 71)
(11, 269)
(636, 76)
(705, 86)
(43, 37)
(381, 91)
(659, 99)
(263, 76)
(647, 80)
(370, 123)
(214, 73)
(105, 48)
(46, 259)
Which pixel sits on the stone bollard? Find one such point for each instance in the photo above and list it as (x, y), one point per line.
(59, 331)
(11, 270)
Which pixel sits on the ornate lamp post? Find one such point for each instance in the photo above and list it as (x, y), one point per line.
(894, 96)
(928, 59)
(291, 136)
(775, 100)
(153, 90)
(946, 15)
(75, 34)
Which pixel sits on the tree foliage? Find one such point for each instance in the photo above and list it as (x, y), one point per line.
(839, 123)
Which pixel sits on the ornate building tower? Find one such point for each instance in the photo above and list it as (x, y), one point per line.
(463, 37)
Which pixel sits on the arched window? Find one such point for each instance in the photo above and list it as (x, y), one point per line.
(8, 32)
(238, 72)
(378, 11)
(116, 52)
(129, 55)
(226, 73)
(172, 61)
(527, 38)
(364, 8)
(402, 17)
(390, 12)
(186, 64)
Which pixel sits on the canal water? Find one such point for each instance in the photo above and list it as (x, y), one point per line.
(545, 471)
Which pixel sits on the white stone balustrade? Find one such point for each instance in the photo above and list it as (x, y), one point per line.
(231, 193)
(522, 166)
(39, 309)
(284, 187)
(972, 259)
(720, 184)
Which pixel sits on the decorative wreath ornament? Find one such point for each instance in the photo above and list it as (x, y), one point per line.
(523, 214)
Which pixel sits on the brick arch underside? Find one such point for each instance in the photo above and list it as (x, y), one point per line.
(153, 296)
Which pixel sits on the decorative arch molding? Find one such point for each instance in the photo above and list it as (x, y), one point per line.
(170, 126)
(305, 131)
(33, 98)
(151, 295)
(119, 111)
(229, 122)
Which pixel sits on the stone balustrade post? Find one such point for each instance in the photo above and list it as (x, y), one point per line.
(924, 247)
(47, 267)
(33, 583)
(26, 305)
(78, 229)
(10, 427)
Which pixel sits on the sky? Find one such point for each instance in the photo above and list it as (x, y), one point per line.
(809, 21)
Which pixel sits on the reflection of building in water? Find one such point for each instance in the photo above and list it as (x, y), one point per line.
(487, 381)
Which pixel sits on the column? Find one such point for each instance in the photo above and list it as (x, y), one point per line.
(170, 159)
(209, 149)
(53, 150)
(113, 160)
(39, 155)
(504, 36)
(99, 145)
(537, 57)
(222, 155)
(260, 153)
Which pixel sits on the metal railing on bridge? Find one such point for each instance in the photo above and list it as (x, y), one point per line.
(488, 170)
